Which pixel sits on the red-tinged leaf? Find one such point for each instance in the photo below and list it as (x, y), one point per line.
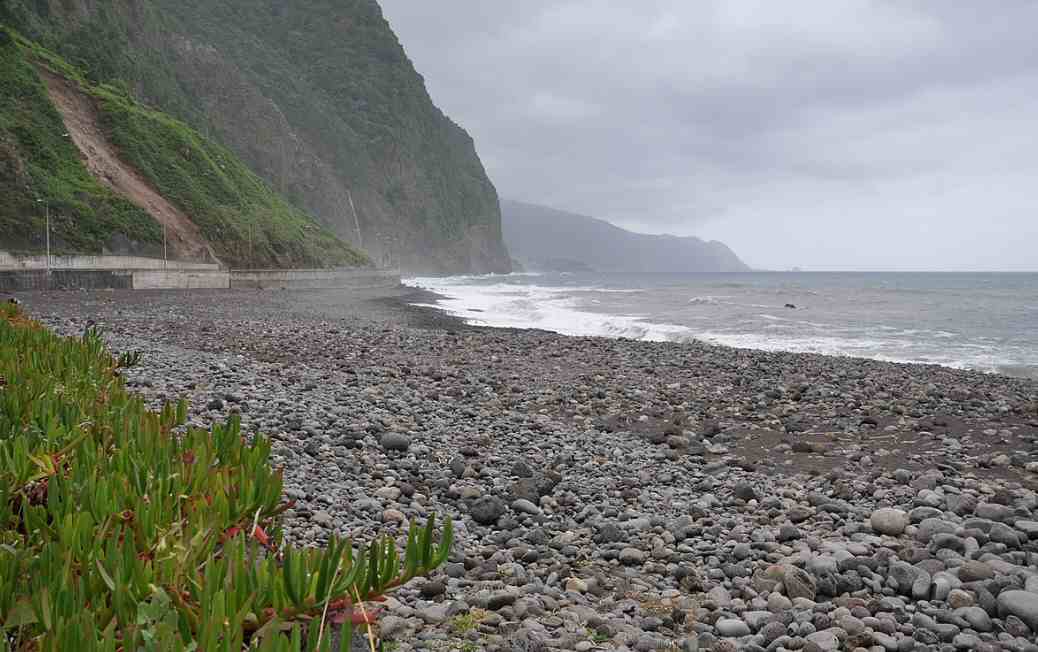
(339, 605)
(356, 616)
(260, 535)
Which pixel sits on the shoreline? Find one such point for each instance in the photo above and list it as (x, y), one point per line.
(616, 494)
(458, 322)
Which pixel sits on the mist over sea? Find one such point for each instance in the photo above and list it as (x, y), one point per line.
(980, 321)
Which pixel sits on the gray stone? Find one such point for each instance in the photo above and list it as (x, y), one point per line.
(904, 576)
(1030, 528)
(977, 618)
(889, 521)
(524, 506)
(395, 441)
(487, 510)
(972, 571)
(772, 631)
(433, 614)
(757, 619)
(1016, 627)
(1002, 533)
(994, 512)
(741, 551)
(885, 640)
(932, 526)
(501, 599)
(390, 626)
(799, 583)
(1022, 604)
(632, 557)
(799, 513)
(322, 518)
(744, 491)
(609, 532)
(826, 640)
(778, 603)
(921, 585)
(732, 628)
(958, 599)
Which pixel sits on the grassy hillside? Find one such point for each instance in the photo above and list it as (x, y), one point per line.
(246, 222)
(318, 98)
(38, 161)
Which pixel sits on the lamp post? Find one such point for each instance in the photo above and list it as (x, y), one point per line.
(46, 208)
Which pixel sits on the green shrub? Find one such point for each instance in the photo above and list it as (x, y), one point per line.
(122, 530)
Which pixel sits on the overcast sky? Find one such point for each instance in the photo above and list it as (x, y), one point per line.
(826, 134)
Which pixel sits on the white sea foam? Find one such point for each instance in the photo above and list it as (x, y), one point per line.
(584, 311)
(505, 305)
(964, 356)
(710, 299)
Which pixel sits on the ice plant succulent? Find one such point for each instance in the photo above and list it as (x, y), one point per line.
(120, 529)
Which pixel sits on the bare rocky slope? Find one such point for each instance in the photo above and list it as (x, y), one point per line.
(318, 98)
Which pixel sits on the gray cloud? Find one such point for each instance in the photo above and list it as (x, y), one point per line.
(836, 134)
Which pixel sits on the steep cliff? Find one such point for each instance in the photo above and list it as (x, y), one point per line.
(115, 176)
(318, 98)
(543, 238)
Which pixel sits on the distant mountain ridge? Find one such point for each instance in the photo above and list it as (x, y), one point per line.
(543, 238)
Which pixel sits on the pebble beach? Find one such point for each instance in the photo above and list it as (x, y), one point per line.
(615, 494)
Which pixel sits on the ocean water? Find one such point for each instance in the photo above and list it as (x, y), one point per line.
(982, 321)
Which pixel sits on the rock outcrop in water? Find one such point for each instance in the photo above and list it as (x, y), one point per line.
(545, 239)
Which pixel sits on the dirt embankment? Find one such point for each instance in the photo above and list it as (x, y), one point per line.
(102, 159)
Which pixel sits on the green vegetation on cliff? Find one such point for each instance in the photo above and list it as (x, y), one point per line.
(38, 161)
(319, 98)
(244, 221)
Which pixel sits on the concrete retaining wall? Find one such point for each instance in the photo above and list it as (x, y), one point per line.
(65, 280)
(191, 279)
(314, 279)
(181, 280)
(12, 261)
